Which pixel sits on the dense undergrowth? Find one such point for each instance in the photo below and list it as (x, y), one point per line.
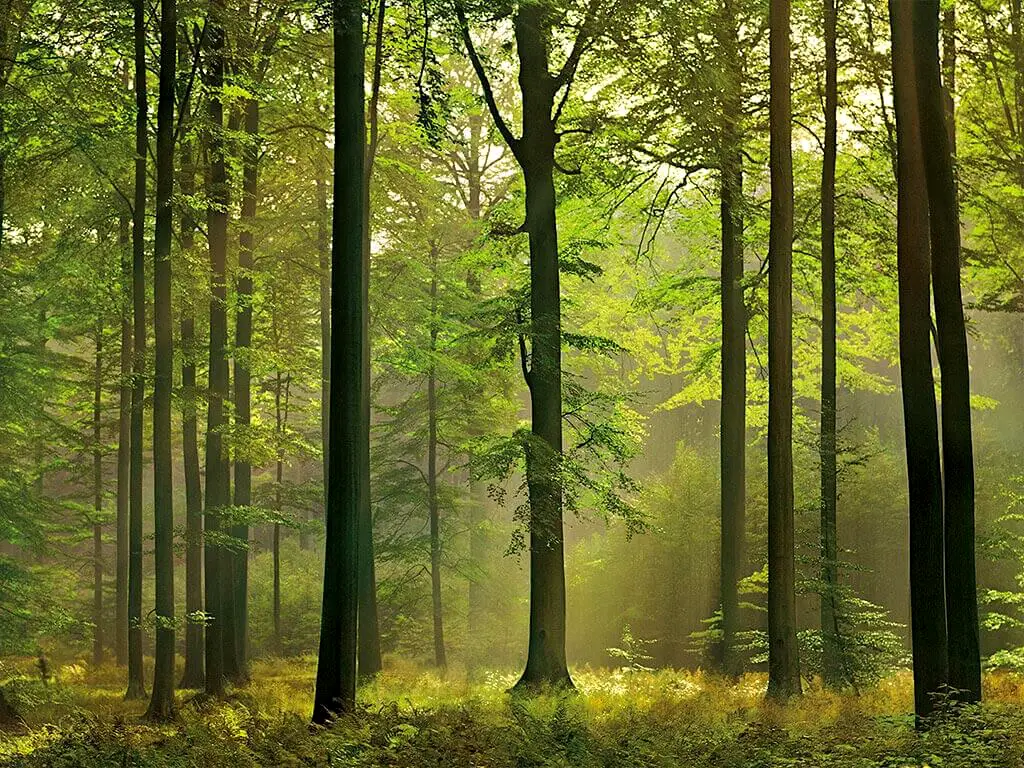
(412, 719)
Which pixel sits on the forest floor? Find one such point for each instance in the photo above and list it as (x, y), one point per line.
(413, 719)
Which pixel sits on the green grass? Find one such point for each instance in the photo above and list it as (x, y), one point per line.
(410, 718)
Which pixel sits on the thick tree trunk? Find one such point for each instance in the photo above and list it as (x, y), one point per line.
(440, 659)
(136, 683)
(831, 661)
(216, 559)
(734, 359)
(545, 661)
(957, 449)
(243, 395)
(927, 600)
(124, 419)
(97, 494)
(783, 657)
(195, 668)
(349, 468)
(161, 705)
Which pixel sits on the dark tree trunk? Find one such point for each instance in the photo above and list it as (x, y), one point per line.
(97, 493)
(545, 661)
(243, 395)
(369, 628)
(734, 351)
(440, 659)
(831, 660)
(136, 680)
(927, 600)
(195, 668)
(124, 433)
(783, 658)
(349, 456)
(957, 449)
(216, 560)
(161, 704)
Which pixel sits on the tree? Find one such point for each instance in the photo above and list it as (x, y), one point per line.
(927, 601)
(732, 454)
(136, 685)
(783, 661)
(831, 662)
(951, 347)
(348, 489)
(534, 151)
(161, 705)
(217, 561)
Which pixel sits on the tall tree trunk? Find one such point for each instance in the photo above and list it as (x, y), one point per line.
(440, 659)
(349, 469)
(831, 660)
(124, 418)
(161, 705)
(279, 479)
(216, 559)
(323, 248)
(927, 599)
(783, 658)
(136, 682)
(734, 351)
(243, 395)
(97, 493)
(545, 661)
(369, 629)
(195, 667)
(957, 449)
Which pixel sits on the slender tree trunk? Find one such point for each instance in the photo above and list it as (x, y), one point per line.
(195, 669)
(440, 659)
(216, 559)
(957, 449)
(136, 683)
(97, 492)
(545, 661)
(783, 658)
(734, 352)
(349, 469)
(831, 662)
(243, 395)
(279, 478)
(161, 705)
(323, 247)
(124, 433)
(927, 601)
(369, 626)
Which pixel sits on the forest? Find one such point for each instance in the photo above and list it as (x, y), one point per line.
(511, 383)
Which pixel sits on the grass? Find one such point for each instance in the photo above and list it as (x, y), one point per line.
(410, 718)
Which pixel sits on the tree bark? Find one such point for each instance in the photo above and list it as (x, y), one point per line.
(957, 448)
(97, 492)
(216, 560)
(831, 661)
(440, 659)
(545, 661)
(161, 704)
(783, 657)
(136, 682)
(323, 247)
(195, 668)
(927, 600)
(349, 456)
(243, 394)
(369, 625)
(734, 361)
(124, 433)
